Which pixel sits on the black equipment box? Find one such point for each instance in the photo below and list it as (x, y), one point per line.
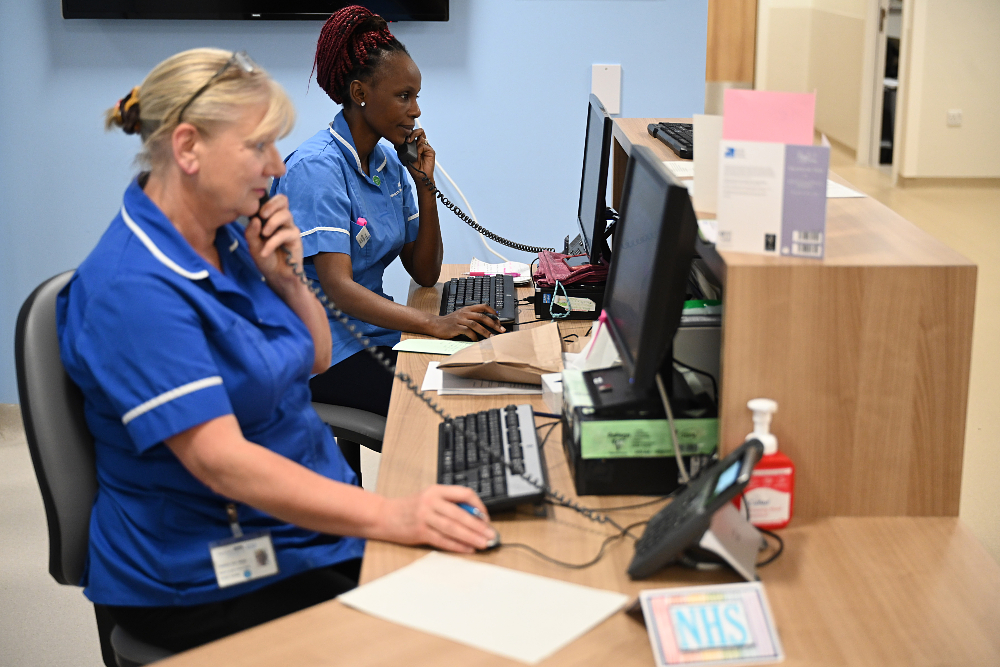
(627, 449)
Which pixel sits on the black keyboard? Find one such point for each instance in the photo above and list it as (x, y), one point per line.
(503, 434)
(496, 291)
(678, 136)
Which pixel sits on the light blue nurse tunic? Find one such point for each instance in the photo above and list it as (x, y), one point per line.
(332, 200)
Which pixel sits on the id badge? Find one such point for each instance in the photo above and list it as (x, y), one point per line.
(240, 559)
(363, 236)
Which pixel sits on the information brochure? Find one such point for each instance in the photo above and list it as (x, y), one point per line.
(772, 198)
(723, 624)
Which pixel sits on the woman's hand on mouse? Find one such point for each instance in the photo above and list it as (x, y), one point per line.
(477, 321)
(434, 517)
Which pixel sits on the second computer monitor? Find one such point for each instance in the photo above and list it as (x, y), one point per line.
(647, 283)
(592, 211)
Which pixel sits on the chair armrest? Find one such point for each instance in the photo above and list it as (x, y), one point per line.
(366, 428)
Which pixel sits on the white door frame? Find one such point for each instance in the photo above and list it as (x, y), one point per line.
(872, 75)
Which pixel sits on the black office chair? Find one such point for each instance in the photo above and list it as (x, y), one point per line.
(62, 451)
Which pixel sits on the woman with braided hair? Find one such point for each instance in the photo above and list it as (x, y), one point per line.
(357, 211)
(222, 500)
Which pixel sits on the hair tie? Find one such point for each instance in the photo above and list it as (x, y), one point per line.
(127, 112)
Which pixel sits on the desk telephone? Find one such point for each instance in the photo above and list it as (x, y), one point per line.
(663, 544)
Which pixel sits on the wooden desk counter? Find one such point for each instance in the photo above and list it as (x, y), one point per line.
(867, 353)
(853, 591)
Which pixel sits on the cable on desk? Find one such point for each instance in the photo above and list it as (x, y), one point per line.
(781, 547)
(578, 566)
(549, 415)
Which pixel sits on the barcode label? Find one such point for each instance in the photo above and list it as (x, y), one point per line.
(807, 249)
(807, 237)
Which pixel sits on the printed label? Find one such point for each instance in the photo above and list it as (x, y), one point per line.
(646, 438)
(771, 504)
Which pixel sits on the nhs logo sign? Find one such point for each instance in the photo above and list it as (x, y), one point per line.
(712, 625)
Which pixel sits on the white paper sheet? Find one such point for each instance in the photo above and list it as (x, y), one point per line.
(513, 614)
(519, 270)
(431, 346)
(446, 384)
(680, 168)
(835, 190)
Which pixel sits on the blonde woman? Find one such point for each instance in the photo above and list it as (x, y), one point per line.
(223, 501)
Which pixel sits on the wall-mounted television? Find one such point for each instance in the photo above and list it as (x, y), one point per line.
(254, 10)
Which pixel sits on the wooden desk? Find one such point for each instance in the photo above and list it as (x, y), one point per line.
(867, 353)
(848, 591)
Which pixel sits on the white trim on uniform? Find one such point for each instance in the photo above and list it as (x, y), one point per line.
(413, 216)
(384, 160)
(168, 396)
(157, 253)
(325, 229)
(349, 146)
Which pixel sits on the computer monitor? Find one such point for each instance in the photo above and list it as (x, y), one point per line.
(647, 283)
(592, 211)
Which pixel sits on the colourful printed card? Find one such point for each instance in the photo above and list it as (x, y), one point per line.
(725, 624)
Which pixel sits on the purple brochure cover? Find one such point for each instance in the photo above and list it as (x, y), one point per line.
(803, 211)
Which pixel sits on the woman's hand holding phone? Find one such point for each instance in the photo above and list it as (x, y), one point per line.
(271, 228)
(425, 155)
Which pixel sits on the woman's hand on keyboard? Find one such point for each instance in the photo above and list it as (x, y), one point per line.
(476, 322)
(433, 517)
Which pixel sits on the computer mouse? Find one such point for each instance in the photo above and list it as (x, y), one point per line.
(474, 511)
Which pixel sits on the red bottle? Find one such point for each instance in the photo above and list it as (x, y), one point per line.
(770, 493)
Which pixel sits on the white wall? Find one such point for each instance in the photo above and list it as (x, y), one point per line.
(954, 63)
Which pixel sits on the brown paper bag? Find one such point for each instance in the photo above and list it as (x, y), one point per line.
(519, 356)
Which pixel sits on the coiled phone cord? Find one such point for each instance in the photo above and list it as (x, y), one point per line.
(471, 436)
(472, 223)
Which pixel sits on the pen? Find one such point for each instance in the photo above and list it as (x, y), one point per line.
(474, 511)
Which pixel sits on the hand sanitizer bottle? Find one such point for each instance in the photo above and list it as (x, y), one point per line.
(771, 489)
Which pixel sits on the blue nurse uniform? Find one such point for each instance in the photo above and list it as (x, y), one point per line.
(328, 194)
(160, 341)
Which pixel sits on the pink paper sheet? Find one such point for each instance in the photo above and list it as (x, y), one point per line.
(761, 115)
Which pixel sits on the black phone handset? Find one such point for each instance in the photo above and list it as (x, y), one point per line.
(407, 152)
(390, 368)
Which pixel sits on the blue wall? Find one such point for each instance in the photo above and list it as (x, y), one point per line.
(505, 85)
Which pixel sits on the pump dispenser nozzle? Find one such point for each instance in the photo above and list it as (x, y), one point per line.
(762, 409)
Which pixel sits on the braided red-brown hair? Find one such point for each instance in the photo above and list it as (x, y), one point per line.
(351, 45)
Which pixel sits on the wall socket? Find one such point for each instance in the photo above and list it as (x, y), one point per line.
(954, 118)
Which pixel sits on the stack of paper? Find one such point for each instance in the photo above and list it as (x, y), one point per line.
(448, 384)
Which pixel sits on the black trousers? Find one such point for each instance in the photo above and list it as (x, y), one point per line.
(182, 628)
(356, 382)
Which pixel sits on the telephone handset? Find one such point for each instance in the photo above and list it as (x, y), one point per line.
(407, 152)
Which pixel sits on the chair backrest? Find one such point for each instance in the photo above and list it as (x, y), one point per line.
(62, 449)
